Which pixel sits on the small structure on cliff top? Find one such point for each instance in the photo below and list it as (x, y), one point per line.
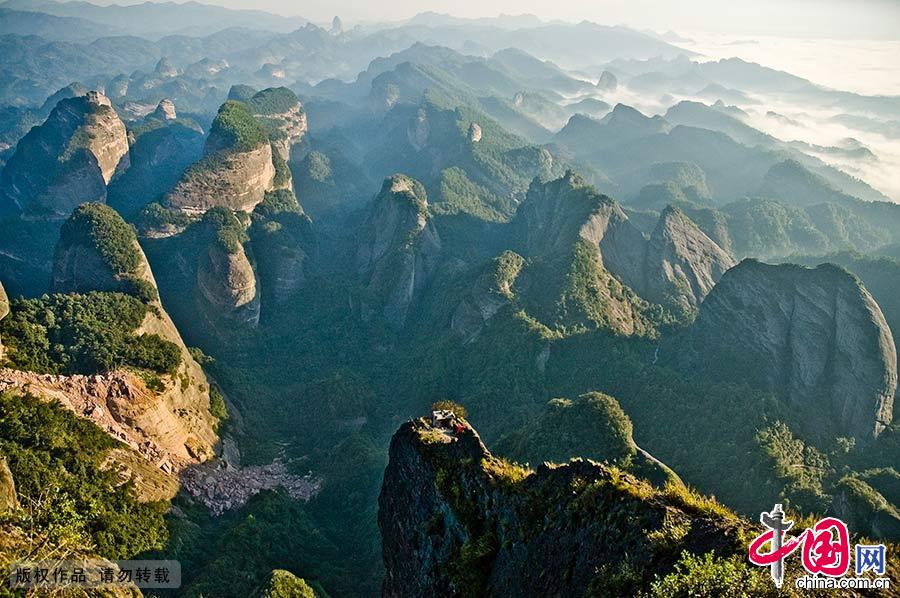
(442, 418)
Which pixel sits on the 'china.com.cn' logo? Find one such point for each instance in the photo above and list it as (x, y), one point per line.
(825, 550)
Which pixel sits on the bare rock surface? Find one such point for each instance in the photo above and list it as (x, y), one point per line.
(398, 249)
(814, 336)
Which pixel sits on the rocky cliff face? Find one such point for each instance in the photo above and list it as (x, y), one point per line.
(398, 250)
(98, 251)
(457, 521)
(816, 337)
(158, 159)
(492, 290)
(67, 160)
(227, 286)
(4, 311)
(236, 171)
(235, 180)
(284, 245)
(171, 427)
(165, 110)
(681, 263)
(283, 116)
(8, 498)
(676, 267)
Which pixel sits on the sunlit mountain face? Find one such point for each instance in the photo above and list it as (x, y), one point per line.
(449, 300)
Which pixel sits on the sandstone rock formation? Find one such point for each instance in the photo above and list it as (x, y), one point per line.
(67, 160)
(172, 427)
(227, 286)
(681, 263)
(457, 521)
(235, 180)
(8, 498)
(165, 68)
(236, 171)
(418, 130)
(98, 251)
(165, 110)
(815, 337)
(117, 88)
(492, 290)
(398, 250)
(285, 247)
(474, 134)
(677, 267)
(158, 158)
(607, 81)
(281, 112)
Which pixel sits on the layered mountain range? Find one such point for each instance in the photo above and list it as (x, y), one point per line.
(463, 226)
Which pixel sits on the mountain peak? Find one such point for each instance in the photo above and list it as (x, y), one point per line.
(444, 494)
(793, 304)
(69, 159)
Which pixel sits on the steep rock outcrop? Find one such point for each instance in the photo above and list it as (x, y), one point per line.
(816, 337)
(282, 114)
(607, 81)
(235, 180)
(4, 311)
(418, 130)
(492, 290)
(557, 213)
(67, 160)
(681, 263)
(236, 171)
(159, 157)
(457, 521)
(592, 426)
(8, 499)
(165, 110)
(165, 68)
(227, 286)
(98, 251)
(398, 250)
(284, 245)
(171, 429)
(567, 221)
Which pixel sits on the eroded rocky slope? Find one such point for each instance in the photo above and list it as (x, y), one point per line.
(568, 224)
(171, 424)
(236, 171)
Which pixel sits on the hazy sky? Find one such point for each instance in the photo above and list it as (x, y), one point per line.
(860, 19)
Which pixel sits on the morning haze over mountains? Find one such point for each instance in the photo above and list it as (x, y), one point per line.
(652, 271)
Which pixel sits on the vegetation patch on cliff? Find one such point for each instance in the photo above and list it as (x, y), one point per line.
(99, 227)
(70, 503)
(84, 334)
(235, 128)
